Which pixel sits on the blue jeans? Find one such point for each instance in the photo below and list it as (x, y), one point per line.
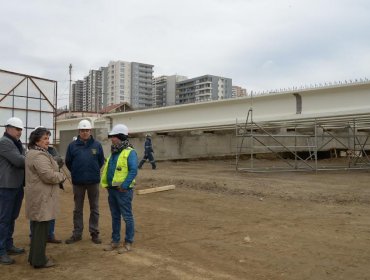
(120, 203)
(10, 205)
(51, 234)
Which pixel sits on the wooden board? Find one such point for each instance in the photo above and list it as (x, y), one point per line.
(156, 189)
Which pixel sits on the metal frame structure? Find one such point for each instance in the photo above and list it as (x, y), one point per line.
(296, 143)
(32, 99)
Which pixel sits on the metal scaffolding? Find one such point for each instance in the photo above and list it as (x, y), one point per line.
(296, 144)
(32, 99)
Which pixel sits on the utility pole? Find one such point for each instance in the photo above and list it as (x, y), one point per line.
(70, 88)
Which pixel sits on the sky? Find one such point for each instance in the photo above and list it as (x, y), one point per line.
(261, 45)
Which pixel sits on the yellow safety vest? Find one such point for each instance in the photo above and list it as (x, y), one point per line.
(121, 171)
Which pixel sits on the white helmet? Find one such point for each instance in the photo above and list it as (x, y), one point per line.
(15, 122)
(84, 124)
(148, 135)
(119, 129)
(38, 127)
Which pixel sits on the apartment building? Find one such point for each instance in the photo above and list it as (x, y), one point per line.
(129, 82)
(238, 91)
(87, 93)
(203, 88)
(117, 83)
(92, 91)
(141, 85)
(77, 95)
(164, 90)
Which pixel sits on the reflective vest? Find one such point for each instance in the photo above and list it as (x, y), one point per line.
(120, 172)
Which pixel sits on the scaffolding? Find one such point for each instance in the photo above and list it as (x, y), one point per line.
(32, 99)
(296, 144)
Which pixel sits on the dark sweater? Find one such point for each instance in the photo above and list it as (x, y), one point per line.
(84, 161)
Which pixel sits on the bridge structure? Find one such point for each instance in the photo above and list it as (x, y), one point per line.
(211, 129)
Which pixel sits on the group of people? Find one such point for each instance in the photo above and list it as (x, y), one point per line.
(36, 174)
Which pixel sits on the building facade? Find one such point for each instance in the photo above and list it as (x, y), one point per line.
(141, 85)
(93, 91)
(238, 91)
(164, 90)
(77, 95)
(117, 82)
(203, 88)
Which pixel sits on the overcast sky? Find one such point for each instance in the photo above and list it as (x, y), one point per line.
(260, 44)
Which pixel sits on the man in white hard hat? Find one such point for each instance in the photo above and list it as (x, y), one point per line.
(12, 160)
(118, 177)
(84, 159)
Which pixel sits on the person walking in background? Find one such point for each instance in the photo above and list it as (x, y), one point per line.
(118, 177)
(84, 159)
(12, 160)
(42, 194)
(148, 153)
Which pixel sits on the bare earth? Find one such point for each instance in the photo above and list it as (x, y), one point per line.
(219, 224)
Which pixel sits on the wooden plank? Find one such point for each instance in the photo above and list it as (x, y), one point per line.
(156, 189)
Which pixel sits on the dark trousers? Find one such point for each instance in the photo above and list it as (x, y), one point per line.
(51, 234)
(150, 157)
(79, 198)
(37, 256)
(10, 205)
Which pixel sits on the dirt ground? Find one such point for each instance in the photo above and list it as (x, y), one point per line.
(219, 224)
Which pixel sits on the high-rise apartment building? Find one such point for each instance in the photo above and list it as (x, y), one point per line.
(129, 82)
(141, 85)
(117, 83)
(92, 93)
(203, 88)
(87, 93)
(164, 90)
(77, 95)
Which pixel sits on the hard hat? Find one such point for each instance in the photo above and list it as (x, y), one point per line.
(148, 135)
(15, 122)
(37, 127)
(119, 129)
(84, 124)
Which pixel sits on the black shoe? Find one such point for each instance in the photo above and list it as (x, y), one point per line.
(15, 251)
(73, 239)
(5, 259)
(48, 264)
(96, 239)
(53, 240)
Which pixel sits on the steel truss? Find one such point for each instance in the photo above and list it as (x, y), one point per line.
(295, 144)
(32, 99)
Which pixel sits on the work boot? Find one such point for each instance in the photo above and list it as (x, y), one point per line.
(73, 239)
(127, 247)
(5, 259)
(154, 166)
(112, 246)
(15, 251)
(95, 238)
